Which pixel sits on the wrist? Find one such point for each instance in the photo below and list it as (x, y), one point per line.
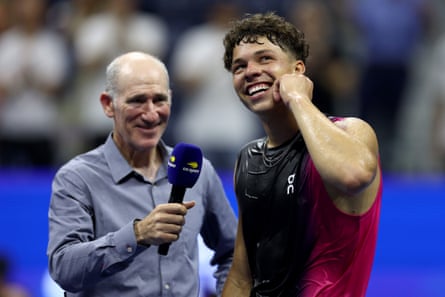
(138, 233)
(297, 96)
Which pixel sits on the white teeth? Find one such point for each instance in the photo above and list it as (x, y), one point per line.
(257, 88)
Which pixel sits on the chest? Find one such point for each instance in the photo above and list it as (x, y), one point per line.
(265, 187)
(115, 205)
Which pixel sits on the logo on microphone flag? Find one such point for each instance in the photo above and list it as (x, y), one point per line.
(193, 165)
(184, 165)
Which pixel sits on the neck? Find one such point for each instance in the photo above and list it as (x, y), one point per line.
(279, 130)
(148, 164)
(144, 161)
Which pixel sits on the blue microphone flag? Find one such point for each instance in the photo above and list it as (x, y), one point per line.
(184, 165)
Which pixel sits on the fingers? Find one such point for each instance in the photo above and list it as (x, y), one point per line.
(294, 85)
(276, 91)
(163, 224)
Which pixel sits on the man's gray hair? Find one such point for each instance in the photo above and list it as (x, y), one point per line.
(112, 77)
(114, 70)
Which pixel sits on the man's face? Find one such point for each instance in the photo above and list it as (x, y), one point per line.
(142, 107)
(255, 68)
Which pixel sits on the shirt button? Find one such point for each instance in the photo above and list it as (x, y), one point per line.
(167, 286)
(129, 249)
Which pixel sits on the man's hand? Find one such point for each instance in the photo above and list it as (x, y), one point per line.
(292, 86)
(163, 224)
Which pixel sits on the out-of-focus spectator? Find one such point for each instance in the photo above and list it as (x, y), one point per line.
(209, 115)
(67, 15)
(392, 31)
(4, 15)
(438, 107)
(179, 15)
(4, 25)
(119, 28)
(261, 6)
(335, 94)
(8, 288)
(437, 77)
(185, 14)
(420, 125)
(33, 68)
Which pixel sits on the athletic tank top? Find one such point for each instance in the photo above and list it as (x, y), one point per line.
(298, 243)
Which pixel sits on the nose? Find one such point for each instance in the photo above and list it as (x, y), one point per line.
(252, 70)
(149, 113)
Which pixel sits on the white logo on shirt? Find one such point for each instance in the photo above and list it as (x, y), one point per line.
(290, 184)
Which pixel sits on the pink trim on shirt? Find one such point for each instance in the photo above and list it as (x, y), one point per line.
(342, 257)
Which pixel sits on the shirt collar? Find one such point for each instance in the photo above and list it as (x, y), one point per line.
(120, 168)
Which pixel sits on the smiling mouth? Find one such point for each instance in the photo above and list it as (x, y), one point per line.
(148, 127)
(255, 89)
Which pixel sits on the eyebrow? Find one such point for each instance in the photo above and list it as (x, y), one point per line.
(160, 96)
(257, 53)
(137, 97)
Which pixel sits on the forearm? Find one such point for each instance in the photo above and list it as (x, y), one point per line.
(239, 281)
(236, 288)
(343, 153)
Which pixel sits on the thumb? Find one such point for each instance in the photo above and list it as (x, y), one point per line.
(276, 91)
(189, 204)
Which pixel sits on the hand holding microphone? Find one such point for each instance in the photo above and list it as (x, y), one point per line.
(184, 167)
(165, 221)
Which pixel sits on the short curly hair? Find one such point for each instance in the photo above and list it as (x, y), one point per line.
(275, 28)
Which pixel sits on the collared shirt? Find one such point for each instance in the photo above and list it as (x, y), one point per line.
(92, 250)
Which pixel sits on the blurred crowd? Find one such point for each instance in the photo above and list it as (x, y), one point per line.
(9, 288)
(381, 60)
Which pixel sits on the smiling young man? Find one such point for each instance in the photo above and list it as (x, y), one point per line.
(109, 211)
(309, 193)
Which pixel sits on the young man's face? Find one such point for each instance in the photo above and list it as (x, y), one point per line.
(255, 68)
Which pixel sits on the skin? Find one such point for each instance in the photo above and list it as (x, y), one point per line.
(140, 112)
(345, 153)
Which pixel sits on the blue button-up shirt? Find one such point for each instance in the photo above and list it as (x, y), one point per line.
(92, 249)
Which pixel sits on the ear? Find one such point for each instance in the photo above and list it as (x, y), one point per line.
(170, 96)
(299, 67)
(107, 104)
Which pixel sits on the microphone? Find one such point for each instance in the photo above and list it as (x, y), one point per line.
(184, 167)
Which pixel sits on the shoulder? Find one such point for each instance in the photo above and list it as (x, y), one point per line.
(81, 164)
(350, 123)
(254, 145)
(251, 148)
(359, 129)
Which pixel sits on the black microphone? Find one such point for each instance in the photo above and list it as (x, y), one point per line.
(184, 167)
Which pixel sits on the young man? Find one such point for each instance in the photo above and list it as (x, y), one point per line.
(309, 193)
(109, 210)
